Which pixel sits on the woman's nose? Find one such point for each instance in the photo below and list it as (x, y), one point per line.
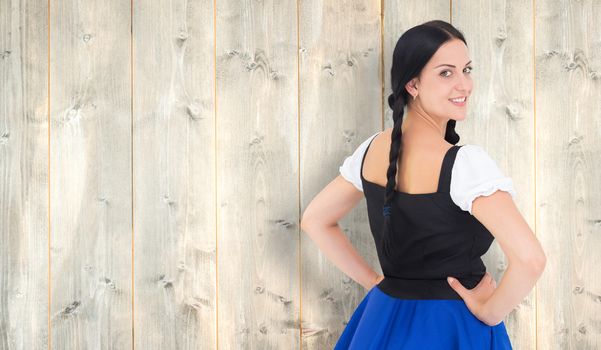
(464, 84)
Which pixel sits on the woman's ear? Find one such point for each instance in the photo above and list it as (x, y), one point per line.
(411, 87)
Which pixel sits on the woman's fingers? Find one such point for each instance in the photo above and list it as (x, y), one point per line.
(485, 279)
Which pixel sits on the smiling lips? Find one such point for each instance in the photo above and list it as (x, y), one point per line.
(459, 101)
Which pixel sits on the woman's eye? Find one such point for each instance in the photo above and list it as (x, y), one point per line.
(448, 71)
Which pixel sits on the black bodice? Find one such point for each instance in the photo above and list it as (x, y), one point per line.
(430, 238)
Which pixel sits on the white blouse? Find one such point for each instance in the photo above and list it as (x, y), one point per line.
(474, 174)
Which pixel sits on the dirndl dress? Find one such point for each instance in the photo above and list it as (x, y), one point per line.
(432, 236)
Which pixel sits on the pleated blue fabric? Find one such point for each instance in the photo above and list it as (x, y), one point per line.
(384, 322)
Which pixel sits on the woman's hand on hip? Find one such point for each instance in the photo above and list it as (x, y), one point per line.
(475, 298)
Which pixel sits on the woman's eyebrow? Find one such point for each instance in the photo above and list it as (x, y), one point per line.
(450, 65)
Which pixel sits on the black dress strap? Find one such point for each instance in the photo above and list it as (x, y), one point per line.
(444, 181)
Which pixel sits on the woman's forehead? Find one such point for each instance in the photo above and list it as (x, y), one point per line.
(453, 53)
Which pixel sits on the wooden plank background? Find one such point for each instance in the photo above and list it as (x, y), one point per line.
(174, 212)
(24, 175)
(90, 175)
(257, 175)
(568, 192)
(155, 158)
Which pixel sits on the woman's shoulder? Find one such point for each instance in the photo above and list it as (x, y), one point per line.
(350, 169)
(476, 156)
(475, 173)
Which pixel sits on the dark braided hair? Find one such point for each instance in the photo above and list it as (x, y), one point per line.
(412, 52)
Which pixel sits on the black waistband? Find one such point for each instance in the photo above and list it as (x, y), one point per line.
(424, 288)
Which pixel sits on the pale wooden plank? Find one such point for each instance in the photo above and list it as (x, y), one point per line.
(90, 165)
(257, 175)
(340, 102)
(23, 175)
(568, 122)
(174, 204)
(500, 118)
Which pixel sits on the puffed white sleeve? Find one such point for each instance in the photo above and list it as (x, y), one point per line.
(475, 174)
(351, 167)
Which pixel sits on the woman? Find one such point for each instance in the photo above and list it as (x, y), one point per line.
(431, 229)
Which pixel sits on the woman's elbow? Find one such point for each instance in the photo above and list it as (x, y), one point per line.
(304, 224)
(536, 262)
(307, 222)
(540, 262)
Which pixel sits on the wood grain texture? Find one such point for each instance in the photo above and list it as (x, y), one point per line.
(90, 165)
(568, 201)
(23, 175)
(174, 205)
(227, 127)
(257, 175)
(501, 119)
(340, 94)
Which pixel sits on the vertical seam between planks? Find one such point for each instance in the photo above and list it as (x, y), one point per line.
(131, 104)
(215, 174)
(534, 156)
(298, 116)
(48, 170)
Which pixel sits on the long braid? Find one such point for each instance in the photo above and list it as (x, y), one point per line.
(397, 103)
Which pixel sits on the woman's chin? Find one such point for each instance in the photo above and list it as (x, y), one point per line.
(458, 117)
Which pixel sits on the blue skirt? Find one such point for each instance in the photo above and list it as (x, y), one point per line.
(385, 322)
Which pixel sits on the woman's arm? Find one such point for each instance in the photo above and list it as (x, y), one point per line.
(499, 214)
(517, 282)
(320, 222)
(337, 248)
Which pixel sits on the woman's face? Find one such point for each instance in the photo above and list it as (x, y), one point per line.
(446, 76)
